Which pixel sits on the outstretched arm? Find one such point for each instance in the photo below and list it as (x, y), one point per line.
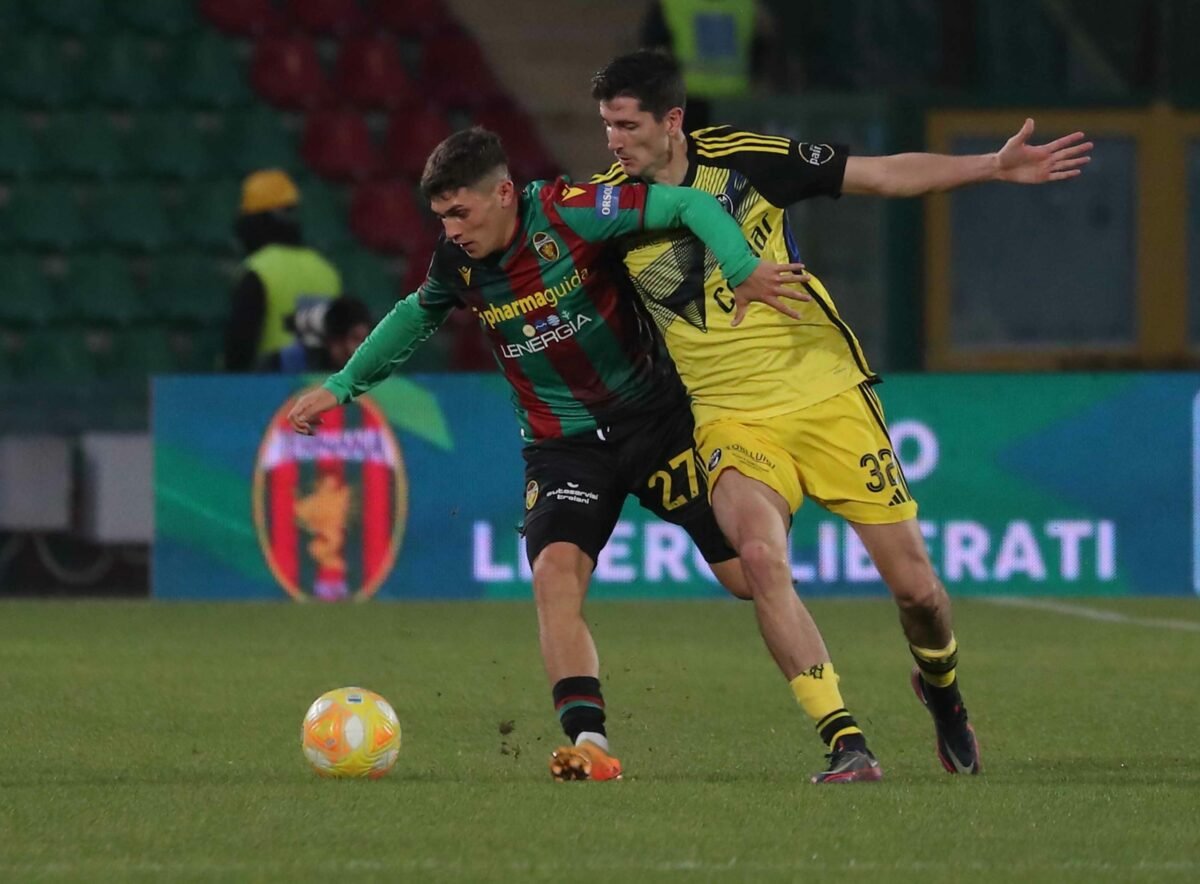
(914, 174)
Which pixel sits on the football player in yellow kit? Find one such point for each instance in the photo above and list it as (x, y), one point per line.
(785, 407)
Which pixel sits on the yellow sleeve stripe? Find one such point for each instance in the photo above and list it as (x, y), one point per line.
(745, 148)
(739, 137)
(614, 172)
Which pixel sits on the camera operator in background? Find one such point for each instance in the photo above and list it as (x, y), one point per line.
(327, 334)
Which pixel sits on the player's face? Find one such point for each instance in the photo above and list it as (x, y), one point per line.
(478, 219)
(641, 144)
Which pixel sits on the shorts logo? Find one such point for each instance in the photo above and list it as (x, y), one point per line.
(531, 494)
(329, 509)
(545, 245)
(816, 154)
(714, 459)
(608, 198)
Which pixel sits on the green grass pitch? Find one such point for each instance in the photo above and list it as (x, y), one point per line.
(152, 742)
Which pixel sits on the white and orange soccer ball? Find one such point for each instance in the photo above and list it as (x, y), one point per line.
(351, 732)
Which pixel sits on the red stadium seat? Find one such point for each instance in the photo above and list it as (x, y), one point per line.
(245, 17)
(418, 19)
(337, 145)
(457, 74)
(411, 137)
(370, 74)
(287, 73)
(528, 157)
(327, 16)
(385, 217)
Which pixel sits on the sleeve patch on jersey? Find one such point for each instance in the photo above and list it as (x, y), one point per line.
(816, 154)
(608, 199)
(569, 192)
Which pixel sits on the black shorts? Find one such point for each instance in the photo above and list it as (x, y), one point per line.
(575, 486)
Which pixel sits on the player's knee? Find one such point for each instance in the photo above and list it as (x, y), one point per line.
(762, 559)
(920, 591)
(556, 581)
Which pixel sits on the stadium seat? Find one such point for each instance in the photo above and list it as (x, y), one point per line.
(456, 72)
(197, 350)
(61, 354)
(247, 18)
(258, 139)
(28, 298)
(44, 215)
(327, 17)
(142, 352)
(126, 71)
(369, 73)
(411, 137)
(171, 145)
(286, 71)
(13, 17)
(323, 215)
(211, 73)
(36, 71)
(417, 19)
(385, 217)
(79, 17)
(188, 288)
(20, 154)
(87, 144)
(205, 214)
(99, 289)
(369, 278)
(131, 215)
(337, 145)
(162, 18)
(527, 155)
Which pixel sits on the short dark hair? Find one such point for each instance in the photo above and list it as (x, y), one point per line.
(652, 77)
(462, 160)
(343, 314)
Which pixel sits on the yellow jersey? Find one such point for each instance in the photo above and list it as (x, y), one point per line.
(770, 364)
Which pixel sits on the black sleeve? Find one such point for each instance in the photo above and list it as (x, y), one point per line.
(246, 316)
(804, 170)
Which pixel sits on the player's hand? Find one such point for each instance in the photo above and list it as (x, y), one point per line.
(1024, 163)
(307, 411)
(769, 284)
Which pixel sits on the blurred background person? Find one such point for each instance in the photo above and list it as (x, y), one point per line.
(281, 276)
(327, 334)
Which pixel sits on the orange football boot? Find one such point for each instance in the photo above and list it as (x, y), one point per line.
(587, 761)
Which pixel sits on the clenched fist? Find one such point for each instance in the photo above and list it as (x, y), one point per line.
(307, 411)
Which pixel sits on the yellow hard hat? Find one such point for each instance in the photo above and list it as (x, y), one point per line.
(267, 190)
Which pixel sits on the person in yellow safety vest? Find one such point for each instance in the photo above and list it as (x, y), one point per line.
(280, 276)
(720, 44)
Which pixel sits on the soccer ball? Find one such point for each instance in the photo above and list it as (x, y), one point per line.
(351, 732)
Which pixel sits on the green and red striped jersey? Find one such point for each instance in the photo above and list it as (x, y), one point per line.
(578, 352)
(557, 306)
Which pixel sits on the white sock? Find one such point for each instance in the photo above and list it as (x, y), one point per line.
(592, 737)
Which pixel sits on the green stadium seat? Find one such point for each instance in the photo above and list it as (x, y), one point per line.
(126, 71)
(79, 17)
(198, 350)
(212, 74)
(36, 71)
(189, 288)
(131, 215)
(99, 289)
(60, 354)
(369, 278)
(323, 215)
(20, 153)
(87, 144)
(28, 298)
(205, 215)
(44, 215)
(142, 352)
(164, 18)
(259, 139)
(13, 18)
(171, 145)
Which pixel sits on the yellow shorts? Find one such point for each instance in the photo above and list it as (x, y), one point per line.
(837, 452)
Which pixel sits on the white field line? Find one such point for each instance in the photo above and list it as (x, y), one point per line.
(1093, 613)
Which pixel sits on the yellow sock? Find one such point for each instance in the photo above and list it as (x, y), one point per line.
(937, 666)
(816, 690)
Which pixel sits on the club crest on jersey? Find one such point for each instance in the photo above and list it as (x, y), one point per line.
(465, 273)
(726, 202)
(531, 494)
(545, 245)
(714, 459)
(816, 154)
